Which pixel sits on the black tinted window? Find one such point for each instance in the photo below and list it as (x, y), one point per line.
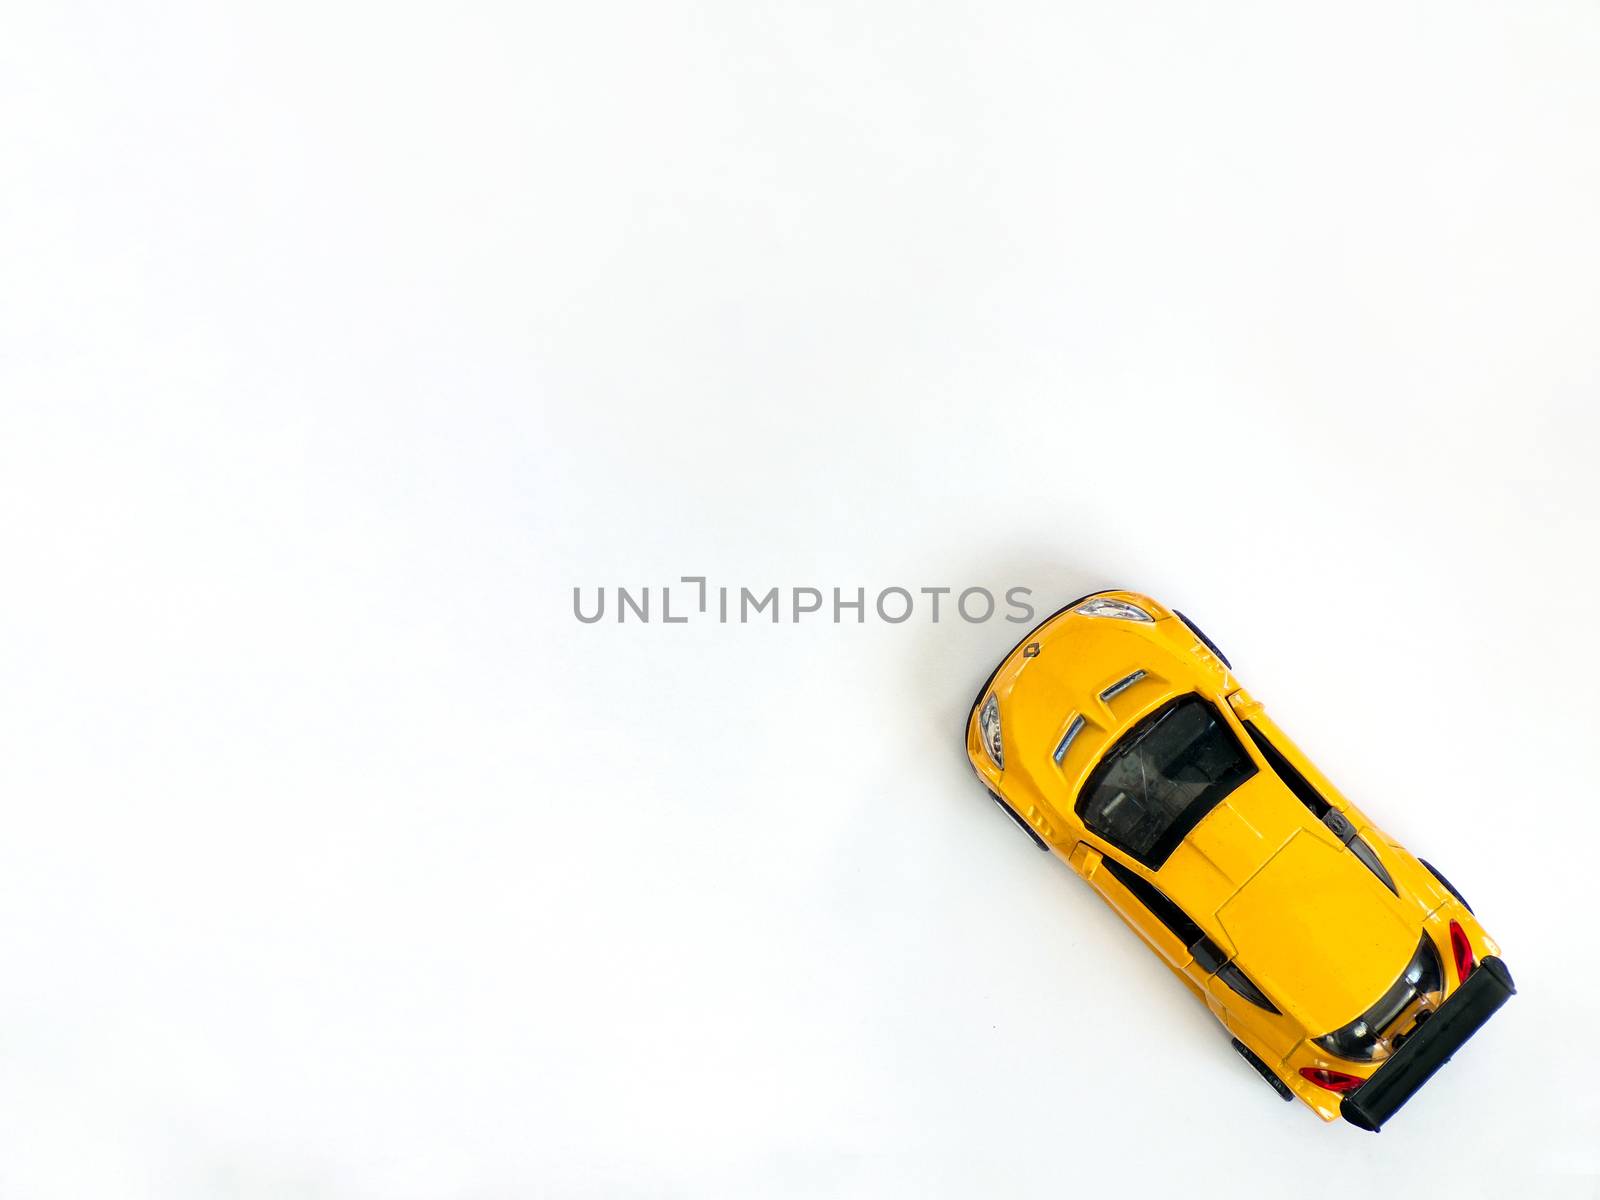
(1166, 773)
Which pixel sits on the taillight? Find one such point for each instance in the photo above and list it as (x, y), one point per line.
(1462, 949)
(1334, 1081)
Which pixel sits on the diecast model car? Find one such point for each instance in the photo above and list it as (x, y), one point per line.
(1346, 970)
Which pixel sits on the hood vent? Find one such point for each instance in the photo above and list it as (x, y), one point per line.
(1075, 728)
(1122, 685)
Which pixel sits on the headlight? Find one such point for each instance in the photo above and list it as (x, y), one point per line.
(1120, 609)
(989, 729)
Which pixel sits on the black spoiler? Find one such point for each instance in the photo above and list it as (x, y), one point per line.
(1430, 1047)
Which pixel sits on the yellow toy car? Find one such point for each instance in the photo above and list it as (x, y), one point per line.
(1346, 970)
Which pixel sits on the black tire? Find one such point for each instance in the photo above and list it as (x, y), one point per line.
(1263, 1070)
(1201, 634)
(1448, 886)
(1021, 824)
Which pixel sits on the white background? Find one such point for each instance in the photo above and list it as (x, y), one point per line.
(341, 342)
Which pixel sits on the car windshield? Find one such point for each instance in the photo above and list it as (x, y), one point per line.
(1166, 773)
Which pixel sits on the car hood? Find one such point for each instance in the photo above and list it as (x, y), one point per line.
(1319, 933)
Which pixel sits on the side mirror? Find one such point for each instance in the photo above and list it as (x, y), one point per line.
(1085, 860)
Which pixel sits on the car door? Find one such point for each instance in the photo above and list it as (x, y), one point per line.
(1171, 933)
(1163, 926)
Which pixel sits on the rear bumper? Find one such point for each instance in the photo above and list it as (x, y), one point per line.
(1430, 1047)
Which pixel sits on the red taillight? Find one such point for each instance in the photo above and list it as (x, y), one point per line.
(1462, 949)
(1334, 1081)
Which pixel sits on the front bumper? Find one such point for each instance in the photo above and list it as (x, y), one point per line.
(1430, 1047)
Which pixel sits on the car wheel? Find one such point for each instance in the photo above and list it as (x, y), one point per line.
(1448, 886)
(1263, 1070)
(1201, 634)
(1021, 824)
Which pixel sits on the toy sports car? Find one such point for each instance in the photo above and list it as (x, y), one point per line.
(1346, 970)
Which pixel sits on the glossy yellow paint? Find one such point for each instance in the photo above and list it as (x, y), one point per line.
(1267, 881)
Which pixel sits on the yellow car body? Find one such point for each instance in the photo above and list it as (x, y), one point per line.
(1267, 891)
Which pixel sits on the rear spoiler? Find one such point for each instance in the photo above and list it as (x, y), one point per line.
(1430, 1047)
